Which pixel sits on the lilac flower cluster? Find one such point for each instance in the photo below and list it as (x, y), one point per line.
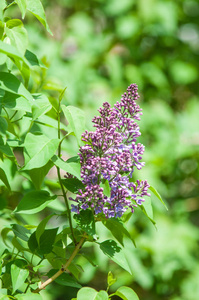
(109, 155)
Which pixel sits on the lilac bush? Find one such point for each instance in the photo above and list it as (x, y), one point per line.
(109, 155)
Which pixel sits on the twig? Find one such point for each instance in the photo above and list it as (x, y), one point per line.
(64, 267)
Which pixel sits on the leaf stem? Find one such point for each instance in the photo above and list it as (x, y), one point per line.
(64, 267)
(60, 181)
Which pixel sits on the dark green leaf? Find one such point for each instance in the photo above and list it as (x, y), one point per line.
(64, 279)
(10, 83)
(33, 59)
(73, 184)
(5, 148)
(21, 232)
(34, 202)
(3, 125)
(85, 220)
(46, 241)
(117, 229)
(32, 242)
(3, 178)
(15, 102)
(111, 249)
(41, 227)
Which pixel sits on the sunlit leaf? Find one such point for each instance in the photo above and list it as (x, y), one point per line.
(76, 119)
(38, 150)
(22, 6)
(155, 192)
(18, 274)
(111, 249)
(126, 293)
(36, 8)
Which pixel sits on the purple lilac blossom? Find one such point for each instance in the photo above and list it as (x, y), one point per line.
(111, 153)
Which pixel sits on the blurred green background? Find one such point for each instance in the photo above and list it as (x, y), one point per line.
(97, 49)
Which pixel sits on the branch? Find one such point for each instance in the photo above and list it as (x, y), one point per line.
(64, 267)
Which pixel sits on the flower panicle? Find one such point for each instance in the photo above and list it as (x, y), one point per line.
(111, 153)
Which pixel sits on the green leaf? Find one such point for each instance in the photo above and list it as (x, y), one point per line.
(148, 207)
(117, 229)
(3, 125)
(62, 94)
(102, 295)
(73, 184)
(106, 188)
(86, 293)
(85, 220)
(15, 56)
(4, 233)
(64, 279)
(89, 293)
(18, 274)
(3, 178)
(17, 34)
(34, 202)
(22, 6)
(32, 243)
(34, 60)
(38, 150)
(41, 227)
(126, 293)
(21, 232)
(47, 240)
(110, 279)
(17, 244)
(68, 166)
(111, 249)
(155, 192)
(2, 6)
(8, 82)
(29, 296)
(36, 8)
(76, 119)
(146, 214)
(15, 102)
(37, 175)
(2, 27)
(5, 148)
(41, 105)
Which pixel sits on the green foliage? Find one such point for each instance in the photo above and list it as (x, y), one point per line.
(97, 53)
